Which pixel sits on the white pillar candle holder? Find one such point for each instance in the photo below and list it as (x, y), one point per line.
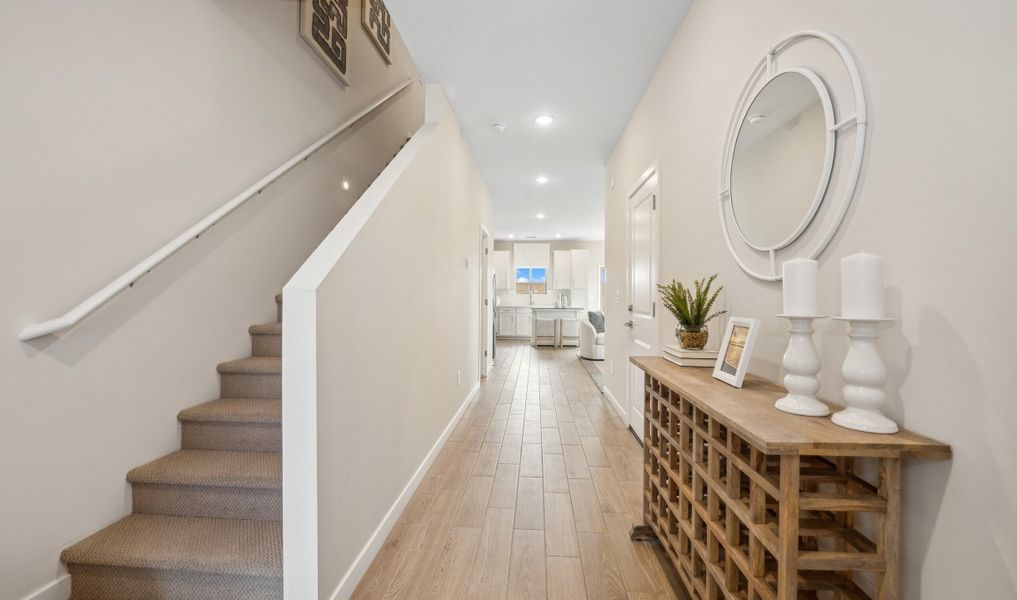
(801, 361)
(864, 377)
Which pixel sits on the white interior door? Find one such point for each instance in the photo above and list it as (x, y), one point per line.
(644, 259)
(486, 305)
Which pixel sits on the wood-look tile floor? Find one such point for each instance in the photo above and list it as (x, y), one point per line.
(532, 497)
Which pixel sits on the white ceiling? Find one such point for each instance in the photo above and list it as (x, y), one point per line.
(586, 62)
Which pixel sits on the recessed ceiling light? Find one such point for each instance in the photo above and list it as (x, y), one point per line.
(753, 119)
(543, 120)
(542, 179)
(499, 127)
(511, 236)
(557, 235)
(346, 185)
(540, 215)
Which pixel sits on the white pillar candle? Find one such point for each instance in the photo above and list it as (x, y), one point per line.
(801, 296)
(861, 287)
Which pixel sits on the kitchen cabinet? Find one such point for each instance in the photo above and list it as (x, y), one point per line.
(562, 272)
(571, 270)
(515, 322)
(503, 269)
(531, 255)
(506, 322)
(524, 322)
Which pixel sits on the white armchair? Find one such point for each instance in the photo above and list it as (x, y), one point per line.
(591, 343)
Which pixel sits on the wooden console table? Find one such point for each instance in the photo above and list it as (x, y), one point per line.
(753, 503)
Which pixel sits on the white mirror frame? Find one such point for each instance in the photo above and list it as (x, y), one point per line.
(768, 67)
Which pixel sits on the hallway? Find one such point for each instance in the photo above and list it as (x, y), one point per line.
(533, 496)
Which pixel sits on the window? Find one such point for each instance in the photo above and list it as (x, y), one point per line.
(531, 280)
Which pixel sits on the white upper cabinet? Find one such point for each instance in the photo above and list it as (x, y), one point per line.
(502, 269)
(580, 266)
(562, 272)
(532, 255)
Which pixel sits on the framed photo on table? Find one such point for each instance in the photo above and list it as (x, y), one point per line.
(736, 350)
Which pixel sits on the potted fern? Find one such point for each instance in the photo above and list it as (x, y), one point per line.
(692, 309)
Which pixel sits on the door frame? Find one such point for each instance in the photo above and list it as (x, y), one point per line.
(641, 181)
(485, 341)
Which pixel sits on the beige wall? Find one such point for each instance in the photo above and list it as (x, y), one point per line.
(388, 313)
(123, 124)
(936, 200)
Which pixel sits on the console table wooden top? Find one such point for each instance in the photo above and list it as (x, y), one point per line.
(750, 412)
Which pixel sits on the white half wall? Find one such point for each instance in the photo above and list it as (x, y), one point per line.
(380, 353)
(124, 123)
(936, 200)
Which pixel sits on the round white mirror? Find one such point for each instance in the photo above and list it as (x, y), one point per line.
(782, 159)
(779, 176)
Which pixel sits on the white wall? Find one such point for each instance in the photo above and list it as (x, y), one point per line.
(510, 298)
(936, 200)
(379, 321)
(123, 124)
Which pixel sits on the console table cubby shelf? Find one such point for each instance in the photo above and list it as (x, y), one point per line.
(754, 504)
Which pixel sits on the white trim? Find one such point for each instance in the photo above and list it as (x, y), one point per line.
(614, 403)
(348, 584)
(647, 174)
(128, 279)
(487, 315)
(58, 589)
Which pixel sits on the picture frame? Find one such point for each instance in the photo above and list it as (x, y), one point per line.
(377, 21)
(736, 350)
(325, 26)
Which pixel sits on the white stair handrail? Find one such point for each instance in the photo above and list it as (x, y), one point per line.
(79, 312)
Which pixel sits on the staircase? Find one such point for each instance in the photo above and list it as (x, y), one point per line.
(207, 520)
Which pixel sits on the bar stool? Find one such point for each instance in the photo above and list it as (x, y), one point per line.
(545, 331)
(568, 332)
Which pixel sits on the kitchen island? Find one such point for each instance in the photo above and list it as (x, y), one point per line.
(517, 321)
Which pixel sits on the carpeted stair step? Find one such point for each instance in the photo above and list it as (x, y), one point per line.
(278, 307)
(210, 483)
(266, 340)
(253, 377)
(244, 425)
(154, 557)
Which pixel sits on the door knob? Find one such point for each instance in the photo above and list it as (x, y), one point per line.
(629, 324)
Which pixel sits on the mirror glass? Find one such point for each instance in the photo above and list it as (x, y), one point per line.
(779, 161)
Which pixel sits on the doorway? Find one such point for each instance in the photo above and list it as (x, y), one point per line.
(486, 305)
(643, 267)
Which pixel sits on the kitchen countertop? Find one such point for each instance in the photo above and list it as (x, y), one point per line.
(540, 307)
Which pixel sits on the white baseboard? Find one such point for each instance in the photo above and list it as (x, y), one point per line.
(58, 589)
(617, 405)
(352, 578)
